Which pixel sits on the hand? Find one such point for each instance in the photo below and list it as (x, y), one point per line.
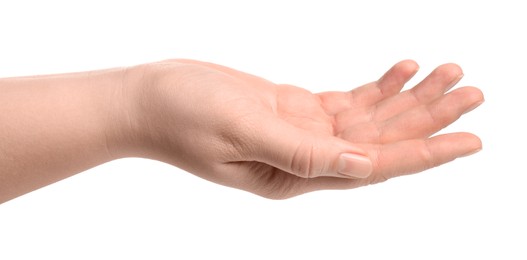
(280, 141)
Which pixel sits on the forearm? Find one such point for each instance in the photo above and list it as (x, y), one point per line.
(52, 127)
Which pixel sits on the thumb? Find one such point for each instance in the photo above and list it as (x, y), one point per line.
(307, 154)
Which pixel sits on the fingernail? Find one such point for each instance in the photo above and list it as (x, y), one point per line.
(474, 106)
(354, 165)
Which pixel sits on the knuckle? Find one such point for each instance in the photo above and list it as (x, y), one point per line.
(427, 157)
(302, 162)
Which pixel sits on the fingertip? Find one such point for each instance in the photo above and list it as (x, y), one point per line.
(478, 144)
(473, 106)
(478, 93)
(474, 91)
(468, 97)
(471, 152)
(395, 78)
(406, 67)
(409, 65)
(451, 70)
(472, 144)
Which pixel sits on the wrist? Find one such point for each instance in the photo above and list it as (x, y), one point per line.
(123, 131)
(151, 122)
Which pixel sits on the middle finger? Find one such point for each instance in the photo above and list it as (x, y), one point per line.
(432, 87)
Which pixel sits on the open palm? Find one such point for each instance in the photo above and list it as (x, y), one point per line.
(295, 141)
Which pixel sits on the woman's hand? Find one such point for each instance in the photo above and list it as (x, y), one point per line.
(279, 140)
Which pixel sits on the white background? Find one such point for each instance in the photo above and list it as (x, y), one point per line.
(469, 209)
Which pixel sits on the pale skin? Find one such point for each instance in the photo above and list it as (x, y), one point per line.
(230, 127)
